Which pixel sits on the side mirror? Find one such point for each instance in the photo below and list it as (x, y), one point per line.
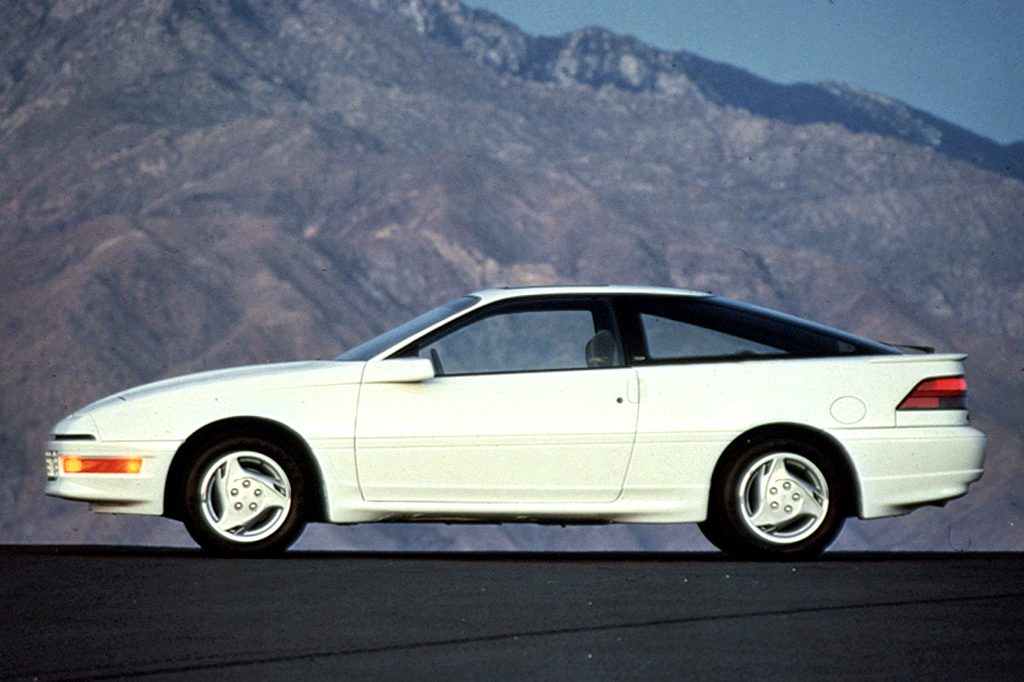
(398, 371)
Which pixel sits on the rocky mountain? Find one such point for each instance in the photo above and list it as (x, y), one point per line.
(599, 58)
(189, 185)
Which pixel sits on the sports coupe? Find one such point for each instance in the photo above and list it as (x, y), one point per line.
(549, 405)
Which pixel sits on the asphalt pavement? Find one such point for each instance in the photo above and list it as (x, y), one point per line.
(143, 613)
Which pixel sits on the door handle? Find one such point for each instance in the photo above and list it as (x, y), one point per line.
(633, 390)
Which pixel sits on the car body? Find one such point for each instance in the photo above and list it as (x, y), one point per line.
(550, 404)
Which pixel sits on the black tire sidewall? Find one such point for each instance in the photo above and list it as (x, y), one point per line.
(208, 538)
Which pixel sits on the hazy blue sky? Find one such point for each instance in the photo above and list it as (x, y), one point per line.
(960, 60)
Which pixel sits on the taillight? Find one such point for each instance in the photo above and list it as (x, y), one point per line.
(945, 393)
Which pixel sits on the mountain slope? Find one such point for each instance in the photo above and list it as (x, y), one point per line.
(599, 58)
(198, 184)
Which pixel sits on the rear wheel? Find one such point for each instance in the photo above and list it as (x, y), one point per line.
(244, 495)
(778, 499)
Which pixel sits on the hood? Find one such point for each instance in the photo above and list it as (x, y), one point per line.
(205, 394)
(252, 377)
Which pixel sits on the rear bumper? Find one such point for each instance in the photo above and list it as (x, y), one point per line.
(900, 469)
(141, 493)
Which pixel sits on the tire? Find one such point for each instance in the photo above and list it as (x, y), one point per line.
(778, 499)
(244, 496)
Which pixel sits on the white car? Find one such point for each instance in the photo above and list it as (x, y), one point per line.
(554, 404)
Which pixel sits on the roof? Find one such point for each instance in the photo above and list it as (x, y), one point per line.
(488, 295)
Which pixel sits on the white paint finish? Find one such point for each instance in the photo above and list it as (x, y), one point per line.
(693, 399)
(621, 444)
(911, 418)
(735, 396)
(78, 424)
(401, 371)
(316, 399)
(533, 436)
(898, 469)
(675, 460)
(848, 410)
(336, 459)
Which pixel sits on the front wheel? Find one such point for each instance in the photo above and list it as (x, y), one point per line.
(779, 499)
(244, 496)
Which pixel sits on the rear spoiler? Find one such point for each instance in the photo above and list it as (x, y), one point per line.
(917, 349)
(917, 357)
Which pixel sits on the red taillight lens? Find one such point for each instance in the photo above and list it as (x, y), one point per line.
(945, 393)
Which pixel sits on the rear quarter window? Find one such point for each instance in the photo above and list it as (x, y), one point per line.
(713, 327)
(667, 338)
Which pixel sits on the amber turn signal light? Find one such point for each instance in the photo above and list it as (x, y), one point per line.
(100, 465)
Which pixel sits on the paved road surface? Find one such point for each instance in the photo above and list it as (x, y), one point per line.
(111, 613)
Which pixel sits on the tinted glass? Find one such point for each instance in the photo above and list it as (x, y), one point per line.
(518, 341)
(379, 344)
(709, 327)
(668, 338)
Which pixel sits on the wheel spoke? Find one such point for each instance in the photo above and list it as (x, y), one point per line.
(757, 491)
(765, 518)
(219, 489)
(769, 472)
(221, 485)
(809, 500)
(275, 492)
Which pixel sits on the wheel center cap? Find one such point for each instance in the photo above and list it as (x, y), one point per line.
(785, 499)
(247, 493)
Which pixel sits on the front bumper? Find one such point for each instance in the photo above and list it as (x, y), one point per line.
(138, 493)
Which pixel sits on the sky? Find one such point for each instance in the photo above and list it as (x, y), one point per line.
(960, 60)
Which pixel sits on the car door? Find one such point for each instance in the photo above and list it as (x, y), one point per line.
(531, 403)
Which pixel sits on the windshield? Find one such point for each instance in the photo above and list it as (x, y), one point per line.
(379, 344)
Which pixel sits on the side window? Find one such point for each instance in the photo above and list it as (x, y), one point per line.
(523, 341)
(673, 339)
